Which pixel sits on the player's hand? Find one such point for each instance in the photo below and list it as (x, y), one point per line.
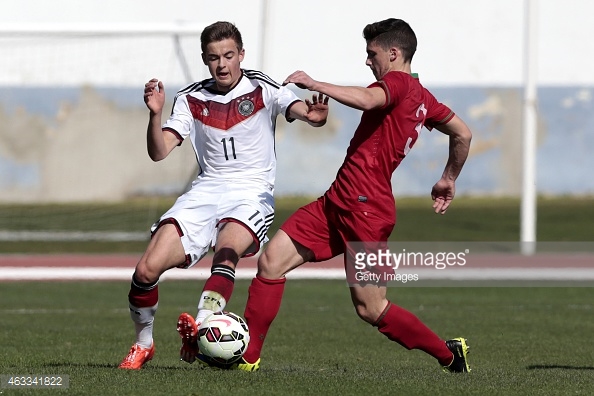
(154, 95)
(442, 194)
(317, 109)
(301, 79)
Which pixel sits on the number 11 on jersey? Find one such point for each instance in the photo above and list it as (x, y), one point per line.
(224, 141)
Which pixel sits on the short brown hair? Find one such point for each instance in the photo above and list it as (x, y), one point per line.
(219, 31)
(392, 32)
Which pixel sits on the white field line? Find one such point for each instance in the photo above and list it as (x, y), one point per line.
(112, 236)
(107, 273)
(58, 311)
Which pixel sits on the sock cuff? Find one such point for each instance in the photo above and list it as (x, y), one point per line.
(271, 281)
(143, 286)
(143, 295)
(383, 314)
(224, 271)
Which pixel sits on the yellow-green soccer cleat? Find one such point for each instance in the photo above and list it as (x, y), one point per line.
(241, 364)
(459, 348)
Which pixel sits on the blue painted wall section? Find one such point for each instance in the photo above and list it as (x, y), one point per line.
(31, 120)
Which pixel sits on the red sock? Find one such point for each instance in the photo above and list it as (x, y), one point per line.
(220, 284)
(264, 300)
(143, 295)
(402, 326)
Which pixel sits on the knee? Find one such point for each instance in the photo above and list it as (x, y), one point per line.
(266, 267)
(226, 256)
(145, 273)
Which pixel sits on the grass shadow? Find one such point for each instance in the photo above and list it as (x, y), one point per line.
(148, 367)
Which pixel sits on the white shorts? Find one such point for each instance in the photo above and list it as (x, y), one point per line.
(198, 213)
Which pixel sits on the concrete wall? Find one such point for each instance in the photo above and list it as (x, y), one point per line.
(91, 147)
(89, 150)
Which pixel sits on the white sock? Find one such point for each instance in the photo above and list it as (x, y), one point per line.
(143, 319)
(201, 315)
(144, 334)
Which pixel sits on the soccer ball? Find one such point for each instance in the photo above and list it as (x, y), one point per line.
(223, 337)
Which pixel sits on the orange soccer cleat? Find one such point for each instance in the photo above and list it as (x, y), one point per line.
(188, 331)
(137, 357)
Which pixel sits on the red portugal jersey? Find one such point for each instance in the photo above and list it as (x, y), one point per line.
(380, 143)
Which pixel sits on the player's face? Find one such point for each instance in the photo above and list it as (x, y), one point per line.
(223, 60)
(378, 60)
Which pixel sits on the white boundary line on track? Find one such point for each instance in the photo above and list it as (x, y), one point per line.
(106, 273)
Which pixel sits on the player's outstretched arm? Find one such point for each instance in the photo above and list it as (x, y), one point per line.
(314, 112)
(159, 144)
(444, 190)
(359, 98)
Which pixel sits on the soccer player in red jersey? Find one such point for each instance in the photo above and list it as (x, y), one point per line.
(359, 205)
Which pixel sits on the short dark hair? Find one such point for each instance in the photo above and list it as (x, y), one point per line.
(392, 33)
(219, 31)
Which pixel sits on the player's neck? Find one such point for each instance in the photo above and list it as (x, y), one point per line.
(402, 67)
(226, 89)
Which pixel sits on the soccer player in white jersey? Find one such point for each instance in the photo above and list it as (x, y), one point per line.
(230, 121)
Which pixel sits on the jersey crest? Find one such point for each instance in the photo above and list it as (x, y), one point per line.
(246, 107)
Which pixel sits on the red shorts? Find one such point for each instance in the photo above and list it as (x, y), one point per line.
(326, 230)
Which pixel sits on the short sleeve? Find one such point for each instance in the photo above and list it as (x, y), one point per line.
(285, 98)
(437, 112)
(395, 87)
(180, 122)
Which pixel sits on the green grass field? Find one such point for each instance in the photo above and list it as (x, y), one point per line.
(524, 341)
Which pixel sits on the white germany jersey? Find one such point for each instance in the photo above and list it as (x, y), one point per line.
(232, 133)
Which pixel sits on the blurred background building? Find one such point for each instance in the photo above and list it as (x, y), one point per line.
(73, 121)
